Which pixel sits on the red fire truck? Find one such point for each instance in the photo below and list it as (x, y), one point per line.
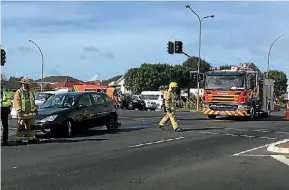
(240, 91)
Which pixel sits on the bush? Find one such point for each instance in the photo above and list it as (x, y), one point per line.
(192, 104)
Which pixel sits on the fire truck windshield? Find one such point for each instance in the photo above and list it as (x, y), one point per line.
(227, 82)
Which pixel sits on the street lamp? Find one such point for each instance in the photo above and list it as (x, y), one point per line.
(269, 53)
(200, 39)
(42, 65)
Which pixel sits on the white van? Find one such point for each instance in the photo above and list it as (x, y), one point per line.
(154, 96)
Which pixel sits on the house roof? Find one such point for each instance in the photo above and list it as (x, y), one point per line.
(54, 79)
(16, 85)
(66, 84)
(115, 78)
(11, 84)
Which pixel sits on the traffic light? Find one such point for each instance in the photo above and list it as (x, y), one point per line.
(3, 57)
(171, 47)
(193, 80)
(178, 47)
(200, 77)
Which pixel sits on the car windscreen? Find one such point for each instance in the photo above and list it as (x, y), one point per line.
(60, 101)
(42, 96)
(227, 82)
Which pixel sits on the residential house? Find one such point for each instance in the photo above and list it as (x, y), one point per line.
(120, 82)
(66, 84)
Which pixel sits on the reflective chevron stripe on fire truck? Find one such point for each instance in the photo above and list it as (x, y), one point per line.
(228, 113)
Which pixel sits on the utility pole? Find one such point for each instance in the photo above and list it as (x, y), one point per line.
(42, 63)
(269, 53)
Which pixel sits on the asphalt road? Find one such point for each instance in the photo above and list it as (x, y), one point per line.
(209, 154)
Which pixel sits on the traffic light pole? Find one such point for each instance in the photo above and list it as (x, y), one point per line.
(186, 54)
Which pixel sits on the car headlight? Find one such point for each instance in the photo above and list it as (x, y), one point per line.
(49, 118)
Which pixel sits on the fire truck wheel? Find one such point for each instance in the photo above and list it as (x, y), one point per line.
(253, 113)
(212, 116)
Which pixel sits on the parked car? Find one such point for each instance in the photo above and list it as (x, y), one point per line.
(131, 103)
(154, 96)
(67, 114)
(149, 105)
(41, 97)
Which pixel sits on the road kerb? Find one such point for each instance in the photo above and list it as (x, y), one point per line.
(273, 147)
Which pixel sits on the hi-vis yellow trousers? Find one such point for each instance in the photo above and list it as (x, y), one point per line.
(170, 115)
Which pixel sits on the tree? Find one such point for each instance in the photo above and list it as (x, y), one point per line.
(280, 85)
(131, 81)
(152, 76)
(192, 64)
(225, 67)
(147, 77)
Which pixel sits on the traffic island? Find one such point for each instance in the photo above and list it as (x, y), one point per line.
(281, 147)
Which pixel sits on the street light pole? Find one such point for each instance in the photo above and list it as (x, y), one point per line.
(269, 53)
(200, 41)
(42, 65)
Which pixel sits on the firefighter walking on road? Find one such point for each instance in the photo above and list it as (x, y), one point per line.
(6, 105)
(170, 106)
(24, 103)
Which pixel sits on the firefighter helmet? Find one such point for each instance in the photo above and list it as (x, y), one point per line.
(25, 80)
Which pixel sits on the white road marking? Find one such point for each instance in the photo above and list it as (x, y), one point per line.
(280, 132)
(233, 135)
(156, 142)
(237, 129)
(212, 133)
(256, 155)
(258, 130)
(281, 158)
(270, 138)
(261, 130)
(237, 154)
(248, 136)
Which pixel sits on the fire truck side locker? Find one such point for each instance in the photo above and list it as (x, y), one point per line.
(268, 96)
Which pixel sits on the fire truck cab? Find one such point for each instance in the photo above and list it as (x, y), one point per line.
(240, 91)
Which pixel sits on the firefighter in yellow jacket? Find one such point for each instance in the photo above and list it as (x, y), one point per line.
(6, 105)
(170, 105)
(24, 103)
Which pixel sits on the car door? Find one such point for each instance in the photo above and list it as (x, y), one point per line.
(98, 109)
(109, 106)
(85, 107)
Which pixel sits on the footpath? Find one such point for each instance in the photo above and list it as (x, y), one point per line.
(281, 147)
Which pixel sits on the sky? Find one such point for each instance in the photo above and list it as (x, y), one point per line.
(82, 39)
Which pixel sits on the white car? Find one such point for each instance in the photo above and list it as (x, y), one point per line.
(40, 98)
(149, 104)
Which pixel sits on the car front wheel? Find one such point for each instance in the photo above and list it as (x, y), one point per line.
(111, 123)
